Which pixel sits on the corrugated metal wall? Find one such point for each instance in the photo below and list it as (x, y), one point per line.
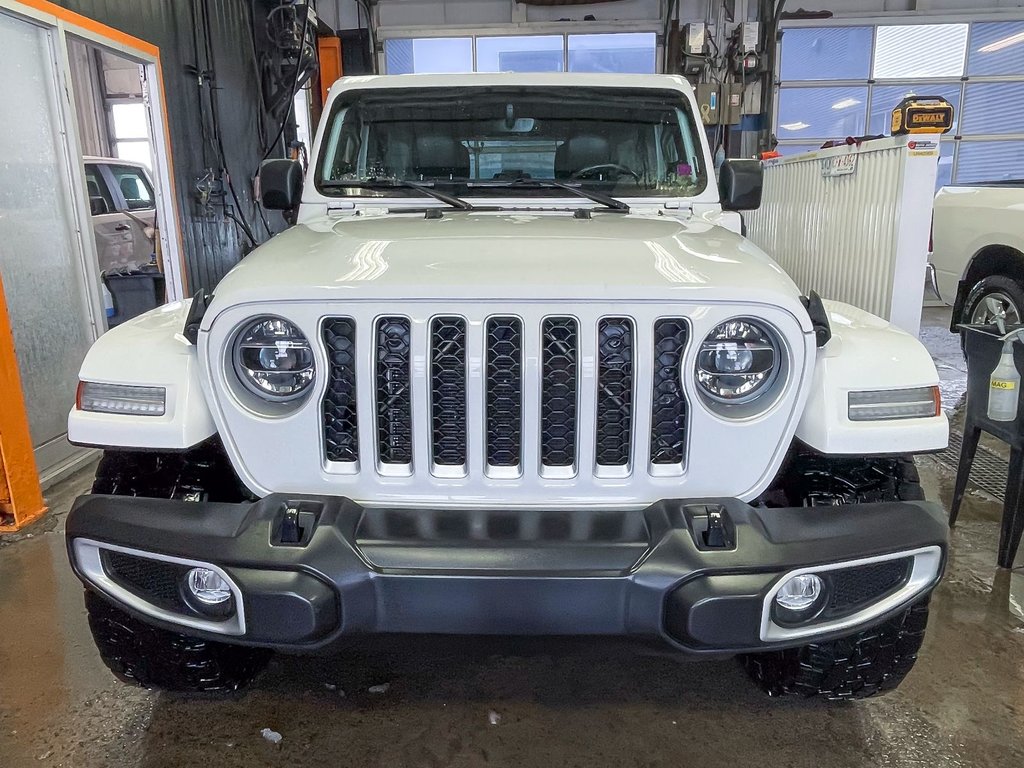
(861, 238)
(212, 243)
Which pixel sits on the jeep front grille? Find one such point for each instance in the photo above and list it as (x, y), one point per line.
(394, 390)
(559, 382)
(448, 390)
(668, 417)
(505, 396)
(614, 391)
(341, 435)
(504, 400)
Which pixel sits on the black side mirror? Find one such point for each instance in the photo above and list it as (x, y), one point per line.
(98, 206)
(280, 184)
(740, 183)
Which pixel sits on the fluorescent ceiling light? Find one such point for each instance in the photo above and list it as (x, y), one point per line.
(846, 104)
(1006, 42)
(794, 126)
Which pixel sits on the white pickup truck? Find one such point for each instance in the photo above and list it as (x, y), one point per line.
(978, 251)
(514, 371)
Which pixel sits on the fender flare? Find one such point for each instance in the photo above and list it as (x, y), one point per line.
(148, 350)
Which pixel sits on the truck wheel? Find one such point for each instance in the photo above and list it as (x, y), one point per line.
(993, 298)
(143, 655)
(868, 663)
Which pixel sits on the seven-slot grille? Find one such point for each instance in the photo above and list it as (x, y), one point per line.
(519, 400)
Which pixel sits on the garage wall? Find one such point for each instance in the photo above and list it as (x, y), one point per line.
(341, 14)
(849, 7)
(212, 243)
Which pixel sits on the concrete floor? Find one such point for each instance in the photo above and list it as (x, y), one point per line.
(590, 703)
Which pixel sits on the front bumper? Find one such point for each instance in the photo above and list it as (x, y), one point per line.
(345, 569)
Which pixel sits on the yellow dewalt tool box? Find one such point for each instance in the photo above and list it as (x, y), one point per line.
(922, 114)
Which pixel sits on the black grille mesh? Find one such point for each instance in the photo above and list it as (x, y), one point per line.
(448, 390)
(854, 588)
(155, 580)
(504, 391)
(394, 391)
(341, 435)
(559, 355)
(614, 390)
(668, 409)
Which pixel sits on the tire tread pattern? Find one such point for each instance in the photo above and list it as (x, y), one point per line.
(868, 663)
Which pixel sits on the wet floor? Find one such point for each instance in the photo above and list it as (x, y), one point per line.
(522, 703)
(554, 703)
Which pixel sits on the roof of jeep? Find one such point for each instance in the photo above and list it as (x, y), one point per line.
(540, 79)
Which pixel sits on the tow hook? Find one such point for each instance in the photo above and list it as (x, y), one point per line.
(296, 522)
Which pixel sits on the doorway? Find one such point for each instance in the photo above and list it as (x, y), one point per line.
(115, 122)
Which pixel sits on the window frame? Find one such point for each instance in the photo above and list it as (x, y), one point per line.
(386, 34)
(957, 139)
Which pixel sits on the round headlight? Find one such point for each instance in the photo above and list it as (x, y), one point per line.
(738, 361)
(273, 359)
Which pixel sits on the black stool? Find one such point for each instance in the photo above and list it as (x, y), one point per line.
(983, 349)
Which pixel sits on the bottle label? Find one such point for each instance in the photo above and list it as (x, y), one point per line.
(1003, 384)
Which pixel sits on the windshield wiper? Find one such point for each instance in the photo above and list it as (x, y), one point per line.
(425, 188)
(605, 200)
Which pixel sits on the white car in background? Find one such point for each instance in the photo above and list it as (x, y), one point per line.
(978, 251)
(123, 209)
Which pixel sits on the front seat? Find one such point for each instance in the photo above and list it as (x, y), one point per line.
(579, 152)
(440, 157)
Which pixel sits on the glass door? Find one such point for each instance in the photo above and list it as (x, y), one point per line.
(41, 257)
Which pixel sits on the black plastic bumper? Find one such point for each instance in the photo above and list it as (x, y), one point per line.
(646, 573)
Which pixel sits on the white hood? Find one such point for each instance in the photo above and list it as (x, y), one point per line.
(524, 256)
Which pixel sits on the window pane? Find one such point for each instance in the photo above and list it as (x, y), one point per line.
(885, 98)
(826, 53)
(129, 121)
(134, 186)
(992, 108)
(625, 52)
(519, 54)
(821, 113)
(945, 175)
(990, 161)
(97, 188)
(920, 50)
(996, 49)
(134, 150)
(428, 55)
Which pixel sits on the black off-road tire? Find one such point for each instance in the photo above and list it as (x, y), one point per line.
(868, 663)
(144, 655)
(810, 479)
(140, 654)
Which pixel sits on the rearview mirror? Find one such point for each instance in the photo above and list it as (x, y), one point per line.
(740, 183)
(98, 206)
(280, 184)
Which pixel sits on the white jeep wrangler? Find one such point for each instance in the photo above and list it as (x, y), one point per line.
(514, 371)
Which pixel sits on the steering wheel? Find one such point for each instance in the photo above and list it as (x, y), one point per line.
(594, 170)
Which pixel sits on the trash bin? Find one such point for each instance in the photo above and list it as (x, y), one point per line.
(133, 294)
(983, 345)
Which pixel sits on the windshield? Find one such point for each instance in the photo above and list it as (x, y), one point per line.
(612, 140)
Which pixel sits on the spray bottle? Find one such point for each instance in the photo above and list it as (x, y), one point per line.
(1004, 385)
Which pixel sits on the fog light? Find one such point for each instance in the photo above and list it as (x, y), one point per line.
(800, 593)
(800, 599)
(208, 587)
